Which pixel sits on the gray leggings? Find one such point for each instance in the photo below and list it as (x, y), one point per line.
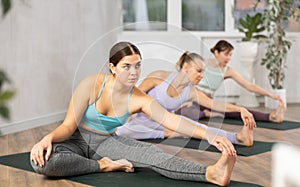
(79, 154)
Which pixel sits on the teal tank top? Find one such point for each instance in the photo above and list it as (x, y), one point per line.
(212, 80)
(100, 122)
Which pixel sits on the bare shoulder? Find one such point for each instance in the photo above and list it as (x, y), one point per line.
(138, 94)
(230, 72)
(90, 85)
(92, 81)
(138, 100)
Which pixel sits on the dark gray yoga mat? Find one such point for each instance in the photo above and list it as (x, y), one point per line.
(285, 125)
(141, 177)
(257, 148)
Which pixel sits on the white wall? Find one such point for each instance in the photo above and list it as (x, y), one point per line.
(201, 43)
(46, 48)
(161, 51)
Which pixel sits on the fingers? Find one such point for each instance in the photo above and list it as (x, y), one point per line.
(49, 149)
(32, 157)
(37, 155)
(40, 157)
(223, 144)
(250, 122)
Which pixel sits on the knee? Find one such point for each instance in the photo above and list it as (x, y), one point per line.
(48, 169)
(36, 167)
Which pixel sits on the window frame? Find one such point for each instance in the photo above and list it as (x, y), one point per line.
(174, 23)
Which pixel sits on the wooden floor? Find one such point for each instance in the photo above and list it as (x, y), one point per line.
(254, 169)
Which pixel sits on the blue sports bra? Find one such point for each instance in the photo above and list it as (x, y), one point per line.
(100, 122)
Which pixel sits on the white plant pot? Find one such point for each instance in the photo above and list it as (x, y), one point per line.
(273, 104)
(248, 56)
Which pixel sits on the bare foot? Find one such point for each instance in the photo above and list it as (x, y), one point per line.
(277, 115)
(211, 114)
(245, 136)
(107, 165)
(220, 172)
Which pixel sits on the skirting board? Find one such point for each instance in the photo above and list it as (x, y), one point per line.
(31, 123)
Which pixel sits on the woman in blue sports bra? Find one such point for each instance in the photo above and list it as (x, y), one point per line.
(171, 90)
(216, 71)
(85, 142)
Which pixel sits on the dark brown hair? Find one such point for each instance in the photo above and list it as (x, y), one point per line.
(222, 45)
(187, 57)
(120, 50)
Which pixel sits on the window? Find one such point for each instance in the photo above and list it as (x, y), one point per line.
(203, 15)
(292, 24)
(141, 15)
(206, 16)
(243, 7)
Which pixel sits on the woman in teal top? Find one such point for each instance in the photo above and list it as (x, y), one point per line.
(85, 142)
(216, 71)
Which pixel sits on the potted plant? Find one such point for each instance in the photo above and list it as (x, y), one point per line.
(5, 5)
(251, 27)
(5, 93)
(275, 15)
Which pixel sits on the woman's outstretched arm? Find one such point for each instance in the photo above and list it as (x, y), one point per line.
(231, 73)
(202, 99)
(175, 123)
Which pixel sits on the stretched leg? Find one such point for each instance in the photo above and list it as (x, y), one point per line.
(141, 128)
(243, 137)
(193, 112)
(143, 154)
(258, 116)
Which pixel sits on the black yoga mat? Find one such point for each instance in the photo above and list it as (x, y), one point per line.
(257, 148)
(141, 177)
(285, 125)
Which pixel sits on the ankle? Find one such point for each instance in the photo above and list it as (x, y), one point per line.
(212, 177)
(103, 164)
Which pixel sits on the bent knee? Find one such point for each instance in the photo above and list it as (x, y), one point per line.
(48, 169)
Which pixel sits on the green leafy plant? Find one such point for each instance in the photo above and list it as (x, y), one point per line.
(275, 15)
(5, 95)
(6, 5)
(251, 26)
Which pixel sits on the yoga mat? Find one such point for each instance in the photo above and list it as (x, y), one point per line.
(257, 148)
(285, 125)
(141, 177)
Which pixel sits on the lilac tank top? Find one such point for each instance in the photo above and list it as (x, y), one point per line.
(159, 93)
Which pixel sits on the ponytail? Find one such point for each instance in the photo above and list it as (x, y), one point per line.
(187, 57)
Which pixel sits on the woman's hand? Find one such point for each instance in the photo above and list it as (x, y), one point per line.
(221, 143)
(37, 151)
(248, 118)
